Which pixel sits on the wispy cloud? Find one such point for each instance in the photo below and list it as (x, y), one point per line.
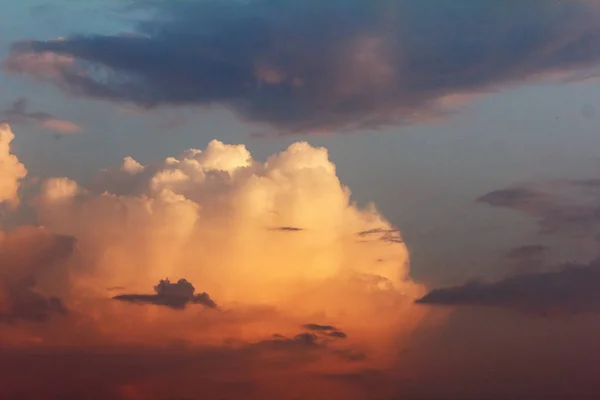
(566, 207)
(18, 113)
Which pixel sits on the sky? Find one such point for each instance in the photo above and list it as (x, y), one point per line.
(286, 199)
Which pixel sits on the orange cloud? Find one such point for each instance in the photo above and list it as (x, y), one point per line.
(62, 126)
(12, 171)
(307, 285)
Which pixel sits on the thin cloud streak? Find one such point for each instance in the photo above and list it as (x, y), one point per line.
(18, 113)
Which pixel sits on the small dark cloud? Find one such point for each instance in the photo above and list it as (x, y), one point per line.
(337, 334)
(174, 295)
(24, 303)
(287, 229)
(18, 113)
(317, 327)
(311, 67)
(572, 289)
(327, 330)
(318, 338)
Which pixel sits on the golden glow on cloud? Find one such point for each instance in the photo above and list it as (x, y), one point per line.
(11, 169)
(277, 244)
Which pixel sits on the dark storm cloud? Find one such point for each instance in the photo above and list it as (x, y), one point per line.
(310, 66)
(174, 295)
(571, 289)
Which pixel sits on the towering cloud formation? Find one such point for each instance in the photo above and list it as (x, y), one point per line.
(11, 169)
(312, 66)
(280, 235)
(306, 282)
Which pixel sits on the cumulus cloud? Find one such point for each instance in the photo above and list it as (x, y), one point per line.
(174, 295)
(17, 113)
(275, 242)
(12, 171)
(314, 67)
(203, 215)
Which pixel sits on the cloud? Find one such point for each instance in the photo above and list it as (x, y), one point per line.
(277, 367)
(21, 302)
(12, 171)
(18, 113)
(327, 330)
(315, 67)
(204, 215)
(571, 289)
(527, 258)
(209, 208)
(287, 229)
(317, 327)
(526, 252)
(175, 295)
(565, 207)
(30, 261)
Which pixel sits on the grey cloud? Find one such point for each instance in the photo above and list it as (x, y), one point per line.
(563, 209)
(18, 113)
(308, 66)
(572, 289)
(174, 295)
(527, 258)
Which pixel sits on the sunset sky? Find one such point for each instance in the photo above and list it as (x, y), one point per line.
(299, 199)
